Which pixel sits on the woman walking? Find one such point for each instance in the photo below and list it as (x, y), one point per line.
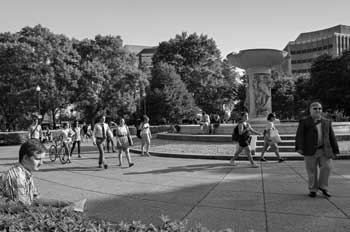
(269, 141)
(244, 132)
(76, 138)
(145, 136)
(123, 141)
(67, 134)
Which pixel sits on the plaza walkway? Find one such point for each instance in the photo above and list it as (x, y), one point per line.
(270, 198)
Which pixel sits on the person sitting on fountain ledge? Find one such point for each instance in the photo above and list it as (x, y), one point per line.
(17, 183)
(205, 122)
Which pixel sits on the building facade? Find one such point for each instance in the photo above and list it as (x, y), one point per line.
(310, 45)
(145, 56)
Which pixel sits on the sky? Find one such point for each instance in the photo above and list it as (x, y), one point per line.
(234, 24)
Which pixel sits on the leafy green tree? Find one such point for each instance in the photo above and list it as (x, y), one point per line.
(111, 81)
(302, 96)
(330, 82)
(283, 98)
(14, 82)
(196, 59)
(169, 97)
(53, 66)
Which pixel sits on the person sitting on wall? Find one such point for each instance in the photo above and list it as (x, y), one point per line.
(215, 123)
(205, 122)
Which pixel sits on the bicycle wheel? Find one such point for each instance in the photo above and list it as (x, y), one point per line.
(62, 154)
(53, 153)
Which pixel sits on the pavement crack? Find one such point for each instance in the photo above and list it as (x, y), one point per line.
(263, 192)
(328, 199)
(200, 200)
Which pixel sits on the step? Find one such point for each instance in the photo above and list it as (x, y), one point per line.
(227, 138)
(281, 149)
(283, 143)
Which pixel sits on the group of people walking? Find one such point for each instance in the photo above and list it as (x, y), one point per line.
(102, 132)
(113, 135)
(315, 140)
(244, 131)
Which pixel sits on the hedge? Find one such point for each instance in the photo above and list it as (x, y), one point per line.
(18, 217)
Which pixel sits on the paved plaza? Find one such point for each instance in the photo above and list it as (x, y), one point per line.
(270, 198)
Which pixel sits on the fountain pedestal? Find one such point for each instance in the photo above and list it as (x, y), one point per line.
(258, 64)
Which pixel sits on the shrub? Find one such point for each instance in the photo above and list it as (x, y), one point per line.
(13, 138)
(18, 217)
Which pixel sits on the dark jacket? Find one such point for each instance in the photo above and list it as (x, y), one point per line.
(306, 137)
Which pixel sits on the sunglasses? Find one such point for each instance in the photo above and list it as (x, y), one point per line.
(317, 108)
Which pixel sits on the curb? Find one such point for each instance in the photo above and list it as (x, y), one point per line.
(92, 149)
(220, 157)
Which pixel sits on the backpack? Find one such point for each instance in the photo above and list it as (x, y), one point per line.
(138, 133)
(235, 134)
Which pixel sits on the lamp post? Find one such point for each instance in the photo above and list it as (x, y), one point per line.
(144, 103)
(38, 89)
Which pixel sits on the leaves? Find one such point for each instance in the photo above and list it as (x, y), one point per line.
(196, 59)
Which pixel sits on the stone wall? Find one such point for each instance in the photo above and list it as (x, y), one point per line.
(19, 137)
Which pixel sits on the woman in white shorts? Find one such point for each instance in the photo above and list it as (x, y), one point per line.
(145, 136)
(268, 141)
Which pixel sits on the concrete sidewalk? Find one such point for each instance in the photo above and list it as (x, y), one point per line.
(270, 198)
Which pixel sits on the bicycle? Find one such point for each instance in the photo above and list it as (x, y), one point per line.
(57, 149)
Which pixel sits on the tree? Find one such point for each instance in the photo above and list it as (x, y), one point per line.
(283, 98)
(14, 84)
(196, 59)
(169, 97)
(53, 66)
(110, 81)
(330, 80)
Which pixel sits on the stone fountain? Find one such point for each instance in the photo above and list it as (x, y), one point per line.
(258, 64)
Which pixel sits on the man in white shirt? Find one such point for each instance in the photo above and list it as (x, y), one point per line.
(99, 136)
(35, 131)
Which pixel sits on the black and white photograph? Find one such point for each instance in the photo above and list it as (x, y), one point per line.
(187, 115)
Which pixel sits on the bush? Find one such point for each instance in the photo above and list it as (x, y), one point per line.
(337, 116)
(13, 138)
(18, 217)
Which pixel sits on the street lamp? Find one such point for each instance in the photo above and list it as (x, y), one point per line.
(38, 89)
(144, 102)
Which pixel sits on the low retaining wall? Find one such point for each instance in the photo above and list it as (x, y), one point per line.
(19, 137)
(283, 128)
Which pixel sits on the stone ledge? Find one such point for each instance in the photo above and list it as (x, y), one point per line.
(283, 128)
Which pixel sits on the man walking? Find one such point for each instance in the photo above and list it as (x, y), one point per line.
(315, 140)
(99, 136)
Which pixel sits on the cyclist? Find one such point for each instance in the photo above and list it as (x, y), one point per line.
(67, 133)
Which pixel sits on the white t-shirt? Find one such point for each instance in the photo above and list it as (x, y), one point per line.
(145, 128)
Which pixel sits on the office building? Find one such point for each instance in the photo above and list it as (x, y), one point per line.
(310, 45)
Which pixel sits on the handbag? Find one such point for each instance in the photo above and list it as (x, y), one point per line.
(274, 136)
(129, 138)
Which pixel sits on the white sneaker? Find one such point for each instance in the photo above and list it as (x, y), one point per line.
(232, 162)
(254, 166)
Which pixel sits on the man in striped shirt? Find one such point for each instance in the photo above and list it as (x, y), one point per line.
(17, 183)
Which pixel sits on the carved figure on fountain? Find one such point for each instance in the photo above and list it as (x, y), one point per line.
(262, 84)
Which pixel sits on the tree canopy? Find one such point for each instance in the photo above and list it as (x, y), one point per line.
(196, 59)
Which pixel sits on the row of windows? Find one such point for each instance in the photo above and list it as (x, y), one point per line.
(302, 61)
(301, 71)
(309, 50)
